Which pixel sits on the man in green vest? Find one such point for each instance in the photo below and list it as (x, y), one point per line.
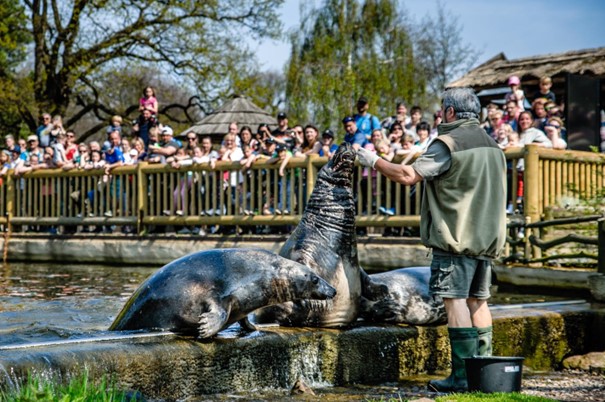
(463, 221)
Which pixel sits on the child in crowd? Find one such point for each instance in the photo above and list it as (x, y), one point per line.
(96, 161)
(148, 101)
(383, 149)
(516, 93)
(115, 125)
(130, 154)
(544, 91)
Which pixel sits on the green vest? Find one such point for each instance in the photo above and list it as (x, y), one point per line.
(464, 209)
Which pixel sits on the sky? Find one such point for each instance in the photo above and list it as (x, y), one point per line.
(518, 28)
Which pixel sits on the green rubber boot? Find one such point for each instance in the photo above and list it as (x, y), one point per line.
(484, 347)
(463, 343)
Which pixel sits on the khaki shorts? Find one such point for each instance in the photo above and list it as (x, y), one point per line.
(460, 277)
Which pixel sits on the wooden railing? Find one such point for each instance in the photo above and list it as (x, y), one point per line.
(145, 194)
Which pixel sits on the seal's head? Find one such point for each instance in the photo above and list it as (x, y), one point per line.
(294, 281)
(339, 169)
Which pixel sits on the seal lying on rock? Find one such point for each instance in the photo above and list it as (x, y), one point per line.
(407, 299)
(325, 240)
(207, 291)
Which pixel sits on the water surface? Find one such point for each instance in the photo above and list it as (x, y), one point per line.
(42, 302)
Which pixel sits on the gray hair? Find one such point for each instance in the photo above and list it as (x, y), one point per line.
(464, 101)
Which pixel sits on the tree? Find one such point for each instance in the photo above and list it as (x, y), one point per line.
(194, 42)
(267, 89)
(13, 87)
(345, 49)
(441, 51)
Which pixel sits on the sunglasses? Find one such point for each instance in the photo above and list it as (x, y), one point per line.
(191, 139)
(552, 125)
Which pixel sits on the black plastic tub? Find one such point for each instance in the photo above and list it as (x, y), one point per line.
(494, 373)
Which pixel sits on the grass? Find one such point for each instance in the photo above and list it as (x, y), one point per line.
(499, 397)
(479, 397)
(80, 389)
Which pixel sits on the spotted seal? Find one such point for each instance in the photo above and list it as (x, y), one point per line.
(407, 299)
(207, 291)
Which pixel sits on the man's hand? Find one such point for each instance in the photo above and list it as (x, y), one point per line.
(367, 158)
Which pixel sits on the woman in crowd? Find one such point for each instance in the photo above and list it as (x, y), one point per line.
(139, 146)
(71, 147)
(246, 138)
(553, 128)
(395, 134)
(311, 143)
(529, 134)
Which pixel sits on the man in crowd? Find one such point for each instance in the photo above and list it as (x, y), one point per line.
(281, 134)
(168, 146)
(366, 122)
(143, 124)
(462, 220)
(400, 117)
(114, 157)
(352, 134)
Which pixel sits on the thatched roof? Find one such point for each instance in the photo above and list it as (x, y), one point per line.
(239, 109)
(495, 71)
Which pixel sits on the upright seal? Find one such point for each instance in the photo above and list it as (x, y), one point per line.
(325, 241)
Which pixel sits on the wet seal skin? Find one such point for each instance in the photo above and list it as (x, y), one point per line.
(205, 292)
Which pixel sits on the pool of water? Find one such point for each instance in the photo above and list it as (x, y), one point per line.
(44, 302)
(49, 302)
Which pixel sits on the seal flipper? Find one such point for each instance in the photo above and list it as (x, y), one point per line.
(212, 320)
(247, 325)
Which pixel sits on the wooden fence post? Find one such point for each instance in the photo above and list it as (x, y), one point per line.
(532, 189)
(601, 246)
(142, 196)
(311, 176)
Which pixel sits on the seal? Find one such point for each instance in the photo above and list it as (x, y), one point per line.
(207, 291)
(407, 299)
(325, 240)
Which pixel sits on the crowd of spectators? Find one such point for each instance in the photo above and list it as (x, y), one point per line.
(399, 137)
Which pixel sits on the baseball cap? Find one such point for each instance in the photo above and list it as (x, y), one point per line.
(362, 99)
(167, 130)
(514, 80)
(281, 116)
(347, 119)
(32, 138)
(327, 133)
(280, 147)
(269, 141)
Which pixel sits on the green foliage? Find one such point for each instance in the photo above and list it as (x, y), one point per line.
(496, 397)
(13, 35)
(37, 388)
(345, 49)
